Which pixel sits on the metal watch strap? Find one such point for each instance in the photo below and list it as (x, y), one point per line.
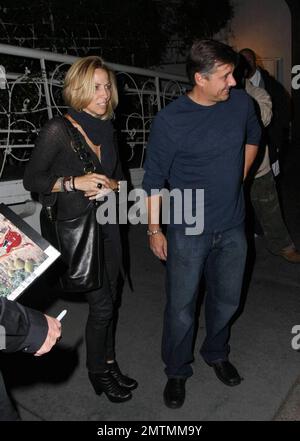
(152, 232)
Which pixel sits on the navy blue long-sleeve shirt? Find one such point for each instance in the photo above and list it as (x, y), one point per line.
(202, 147)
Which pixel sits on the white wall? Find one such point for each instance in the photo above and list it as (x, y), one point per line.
(265, 27)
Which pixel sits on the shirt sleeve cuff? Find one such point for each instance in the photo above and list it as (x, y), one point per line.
(38, 331)
(254, 142)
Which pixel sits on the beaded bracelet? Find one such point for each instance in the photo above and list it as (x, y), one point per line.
(60, 182)
(67, 183)
(72, 183)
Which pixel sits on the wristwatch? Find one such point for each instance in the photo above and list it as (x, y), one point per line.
(152, 232)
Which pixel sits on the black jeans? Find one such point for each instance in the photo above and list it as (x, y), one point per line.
(101, 322)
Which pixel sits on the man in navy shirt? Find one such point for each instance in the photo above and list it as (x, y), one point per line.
(204, 141)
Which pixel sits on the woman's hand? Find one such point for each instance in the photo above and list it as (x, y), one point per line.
(113, 185)
(91, 182)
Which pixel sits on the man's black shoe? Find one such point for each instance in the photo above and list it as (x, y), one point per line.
(174, 393)
(226, 372)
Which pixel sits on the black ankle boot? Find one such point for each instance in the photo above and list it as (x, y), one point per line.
(106, 383)
(123, 380)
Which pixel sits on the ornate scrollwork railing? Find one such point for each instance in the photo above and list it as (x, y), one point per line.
(27, 100)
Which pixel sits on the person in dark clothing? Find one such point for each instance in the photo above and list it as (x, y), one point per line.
(276, 134)
(23, 329)
(206, 139)
(57, 171)
(263, 191)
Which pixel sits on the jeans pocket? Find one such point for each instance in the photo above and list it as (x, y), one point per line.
(187, 247)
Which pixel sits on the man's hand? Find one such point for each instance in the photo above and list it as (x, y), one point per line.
(54, 334)
(158, 244)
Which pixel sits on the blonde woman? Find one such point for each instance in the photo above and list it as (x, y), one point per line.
(69, 173)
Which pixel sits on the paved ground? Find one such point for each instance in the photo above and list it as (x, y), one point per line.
(55, 387)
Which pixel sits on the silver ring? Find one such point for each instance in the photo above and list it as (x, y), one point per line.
(99, 185)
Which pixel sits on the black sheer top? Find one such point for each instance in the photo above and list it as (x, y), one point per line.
(54, 157)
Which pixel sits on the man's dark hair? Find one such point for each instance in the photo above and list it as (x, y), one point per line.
(241, 71)
(204, 55)
(249, 51)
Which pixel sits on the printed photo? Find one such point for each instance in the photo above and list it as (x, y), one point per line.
(24, 254)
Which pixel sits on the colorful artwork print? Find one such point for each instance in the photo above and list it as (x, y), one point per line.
(22, 259)
(19, 257)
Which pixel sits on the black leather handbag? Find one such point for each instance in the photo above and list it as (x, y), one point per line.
(79, 242)
(78, 239)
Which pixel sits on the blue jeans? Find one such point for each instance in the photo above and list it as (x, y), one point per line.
(221, 256)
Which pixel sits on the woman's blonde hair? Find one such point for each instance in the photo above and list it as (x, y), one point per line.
(79, 85)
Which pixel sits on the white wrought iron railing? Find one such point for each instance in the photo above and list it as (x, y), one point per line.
(29, 98)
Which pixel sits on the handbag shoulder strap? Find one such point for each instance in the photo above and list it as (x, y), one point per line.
(73, 131)
(79, 146)
(76, 125)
